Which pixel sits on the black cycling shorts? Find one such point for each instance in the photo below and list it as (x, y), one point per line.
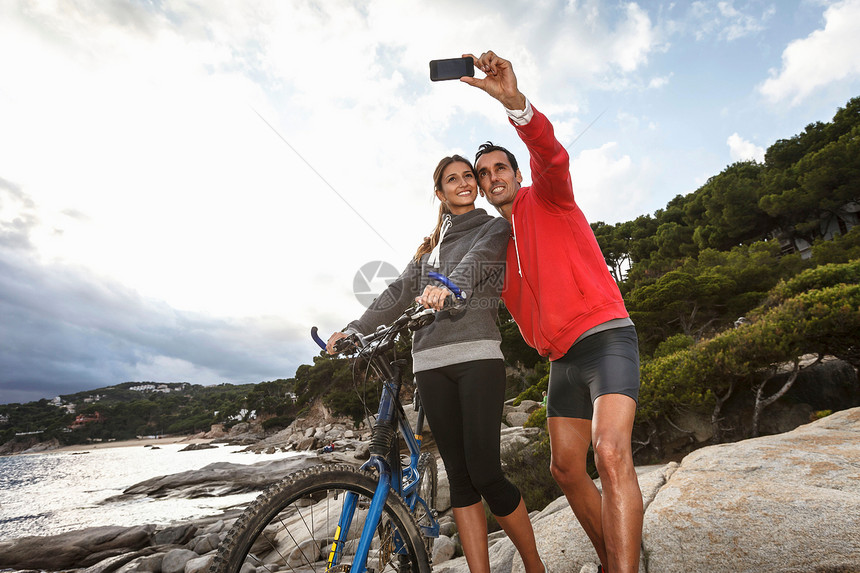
(603, 363)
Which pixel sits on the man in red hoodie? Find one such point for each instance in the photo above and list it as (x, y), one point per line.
(568, 307)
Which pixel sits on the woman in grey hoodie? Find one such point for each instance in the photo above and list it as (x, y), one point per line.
(458, 363)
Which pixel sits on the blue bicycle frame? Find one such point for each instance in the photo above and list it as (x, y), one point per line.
(384, 450)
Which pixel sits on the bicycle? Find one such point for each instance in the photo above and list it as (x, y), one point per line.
(379, 517)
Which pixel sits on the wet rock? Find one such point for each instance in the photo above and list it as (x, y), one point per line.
(201, 446)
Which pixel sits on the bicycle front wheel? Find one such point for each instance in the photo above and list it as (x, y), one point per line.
(293, 527)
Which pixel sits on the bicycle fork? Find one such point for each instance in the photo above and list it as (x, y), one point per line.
(374, 514)
(382, 442)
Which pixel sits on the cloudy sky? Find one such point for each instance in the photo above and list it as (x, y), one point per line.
(187, 186)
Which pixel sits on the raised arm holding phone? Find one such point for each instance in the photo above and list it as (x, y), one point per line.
(569, 308)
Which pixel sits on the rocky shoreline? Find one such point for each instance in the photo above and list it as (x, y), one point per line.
(788, 502)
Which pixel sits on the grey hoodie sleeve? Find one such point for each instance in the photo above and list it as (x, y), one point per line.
(389, 305)
(485, 261)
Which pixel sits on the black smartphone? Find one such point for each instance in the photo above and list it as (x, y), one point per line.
(451, 69)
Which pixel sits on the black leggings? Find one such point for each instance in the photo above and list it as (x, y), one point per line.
(463, 404)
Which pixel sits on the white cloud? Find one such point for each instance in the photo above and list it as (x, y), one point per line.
(659, 82)
(722, 20)
(826, 56)
(739, 24)
(635, 39)
(602, 45)
(608, 186)
(742, 150)
(153, 130)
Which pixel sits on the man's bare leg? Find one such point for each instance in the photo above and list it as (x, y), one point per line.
(570, 439)
(472, 524)
(622, 510)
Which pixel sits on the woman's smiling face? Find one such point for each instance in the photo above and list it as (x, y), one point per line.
(459, 188)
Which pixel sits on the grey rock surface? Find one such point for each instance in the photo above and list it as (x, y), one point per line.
(73, 549)
(220, 478)
(174, 560)
(443, 549)
(206, 543)
(199, 564)
(787, 503)
(175, 535)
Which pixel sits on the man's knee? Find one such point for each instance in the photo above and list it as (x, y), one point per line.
(569, 439)
(613, 458)
(561, 472)
(566, 472)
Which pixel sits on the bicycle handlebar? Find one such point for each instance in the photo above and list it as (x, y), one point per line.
(316, 337)
(458, 293)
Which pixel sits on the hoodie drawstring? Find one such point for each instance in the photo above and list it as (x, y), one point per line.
(433, 260)
(516, 247)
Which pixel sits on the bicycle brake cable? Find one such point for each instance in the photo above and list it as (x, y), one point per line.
(362, 397)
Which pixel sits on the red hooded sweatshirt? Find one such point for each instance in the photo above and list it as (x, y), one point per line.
(557, 285)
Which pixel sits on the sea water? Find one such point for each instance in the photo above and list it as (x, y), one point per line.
(50, 493)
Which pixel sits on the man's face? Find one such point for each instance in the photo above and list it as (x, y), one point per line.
(497, 179)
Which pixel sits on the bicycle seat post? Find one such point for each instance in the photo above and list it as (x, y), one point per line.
(419, 424)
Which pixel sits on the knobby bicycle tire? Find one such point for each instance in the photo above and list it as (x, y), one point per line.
(290, 528)
(428, 480)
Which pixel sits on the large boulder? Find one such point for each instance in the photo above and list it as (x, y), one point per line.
(787, 503)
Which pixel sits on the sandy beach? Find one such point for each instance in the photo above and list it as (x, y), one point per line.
(132, 443)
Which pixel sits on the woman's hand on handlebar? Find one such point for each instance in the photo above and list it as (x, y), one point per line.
(332, 340)
(433, 297)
